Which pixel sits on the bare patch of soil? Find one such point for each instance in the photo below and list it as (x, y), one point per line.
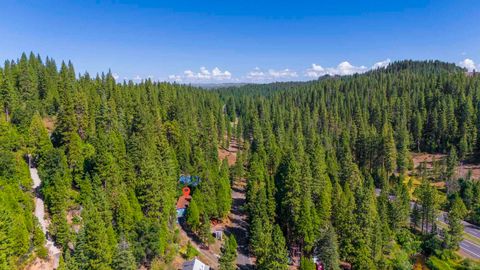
(230, 154)
(462, 170)
(39, 264)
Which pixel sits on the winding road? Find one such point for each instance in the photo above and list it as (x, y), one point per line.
(53, 251)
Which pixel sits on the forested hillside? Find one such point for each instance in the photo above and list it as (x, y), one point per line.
(319, 149)
(328, 166)
(109, 163)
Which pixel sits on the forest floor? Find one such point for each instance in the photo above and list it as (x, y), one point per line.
(230, 154)
(462, 169)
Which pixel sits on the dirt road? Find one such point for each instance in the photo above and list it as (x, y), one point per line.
(53, 252)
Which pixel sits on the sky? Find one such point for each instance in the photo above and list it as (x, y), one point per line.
(240, 41)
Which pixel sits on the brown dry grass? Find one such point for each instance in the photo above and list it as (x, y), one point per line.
(462, 169)
(39, 264)
(230, 154)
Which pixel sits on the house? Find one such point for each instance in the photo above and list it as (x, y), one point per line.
(195, 264)
(182, 205)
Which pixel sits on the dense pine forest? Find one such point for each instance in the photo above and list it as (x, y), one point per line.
(114, 155)
(319, 149)
(328, 164)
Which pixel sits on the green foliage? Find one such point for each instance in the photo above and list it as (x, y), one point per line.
(326, 250)
(228, 256)
(191, 251)
(277, 255)
(193, 215)
(307, 264)
(456, 214)
(123, 258)
(312, 153)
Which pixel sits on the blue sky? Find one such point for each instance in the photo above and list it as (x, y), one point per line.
(229, 41)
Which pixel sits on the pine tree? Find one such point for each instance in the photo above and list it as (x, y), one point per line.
(224, 199)
(229, 254)
(193, 215)
(455, 216)
(93, 250)
(389, 150)
(277, 255)
(123, 258)
(326, 250)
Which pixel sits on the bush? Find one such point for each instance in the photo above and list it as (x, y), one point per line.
(307, 264)
(408, 241)
(191, 252)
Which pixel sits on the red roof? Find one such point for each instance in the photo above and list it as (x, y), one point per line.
(183, 201)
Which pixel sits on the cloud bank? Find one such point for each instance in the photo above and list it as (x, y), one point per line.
(258, 75)
(265, 75)
(204, 75)
(344, 68)
(468, 63)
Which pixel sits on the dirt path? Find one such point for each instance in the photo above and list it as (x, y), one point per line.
(53, 251)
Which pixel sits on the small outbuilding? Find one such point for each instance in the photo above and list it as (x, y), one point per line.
(195, 264)
(218, 234)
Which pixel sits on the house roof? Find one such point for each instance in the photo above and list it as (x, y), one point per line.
(183, 201)
(195, 264)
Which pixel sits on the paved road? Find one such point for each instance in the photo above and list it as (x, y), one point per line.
(239, 226)
(467, 247)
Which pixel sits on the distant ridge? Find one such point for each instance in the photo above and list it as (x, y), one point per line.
(218, 85)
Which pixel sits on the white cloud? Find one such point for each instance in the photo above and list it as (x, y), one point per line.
(258, 75)
(137, 78)
(284, 73)
(115, 76)
(344, 68)
(204, 75)
(175, 78)
(382, 64)
(467, 63)
(217, 73)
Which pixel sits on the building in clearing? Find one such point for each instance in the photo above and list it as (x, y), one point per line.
(182, 205)
(195, 264)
